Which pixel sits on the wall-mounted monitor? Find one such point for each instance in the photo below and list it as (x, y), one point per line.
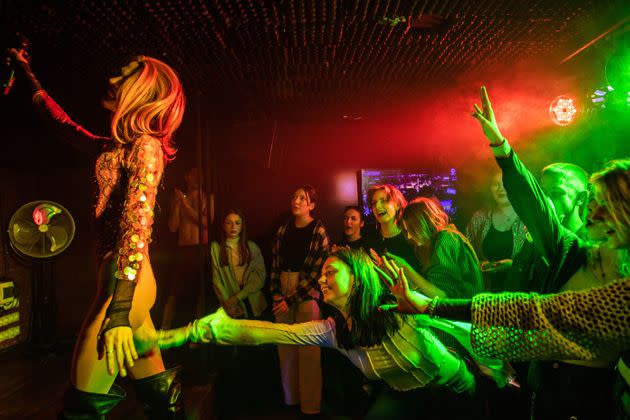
(414, 183)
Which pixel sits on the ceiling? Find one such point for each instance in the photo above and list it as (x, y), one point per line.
(261, 55)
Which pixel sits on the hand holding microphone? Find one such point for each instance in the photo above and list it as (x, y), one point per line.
(15, 56)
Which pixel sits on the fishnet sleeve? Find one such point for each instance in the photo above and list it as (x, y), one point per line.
(572, 325)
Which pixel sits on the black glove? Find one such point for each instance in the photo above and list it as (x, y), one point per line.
(120, 306)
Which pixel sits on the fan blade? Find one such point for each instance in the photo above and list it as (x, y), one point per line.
(58, 237)
(25, 234)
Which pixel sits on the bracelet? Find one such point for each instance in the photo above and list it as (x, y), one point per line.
(431, 307)
(502, 149)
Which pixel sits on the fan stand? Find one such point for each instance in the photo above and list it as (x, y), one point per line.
(43, 314)
(28, 225)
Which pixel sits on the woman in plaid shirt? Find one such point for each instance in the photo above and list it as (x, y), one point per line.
(299, 251)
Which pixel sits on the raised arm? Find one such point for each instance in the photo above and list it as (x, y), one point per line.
(524, 192)
(55, 117)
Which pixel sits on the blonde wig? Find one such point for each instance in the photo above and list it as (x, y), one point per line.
(149, 101)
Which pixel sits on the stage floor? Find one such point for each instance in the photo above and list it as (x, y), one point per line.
(32, 383)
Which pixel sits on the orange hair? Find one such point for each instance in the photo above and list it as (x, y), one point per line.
(150, 102)
(393, 194)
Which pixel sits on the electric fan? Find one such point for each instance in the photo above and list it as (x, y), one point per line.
(41, 229)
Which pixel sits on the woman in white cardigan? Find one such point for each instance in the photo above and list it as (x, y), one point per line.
(238, 270)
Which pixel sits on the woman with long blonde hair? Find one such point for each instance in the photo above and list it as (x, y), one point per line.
(147, 104)
(450, 267)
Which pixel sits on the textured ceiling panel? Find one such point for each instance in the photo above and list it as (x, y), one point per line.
(309, 52)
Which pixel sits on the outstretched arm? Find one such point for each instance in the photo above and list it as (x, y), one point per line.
(524, 192)
(584, 325)
(220, 329)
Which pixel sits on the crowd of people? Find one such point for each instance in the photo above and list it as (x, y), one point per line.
(405, 303)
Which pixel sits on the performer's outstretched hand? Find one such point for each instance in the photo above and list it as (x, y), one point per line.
(198, 331)
(485, 116)
(407, 301)
(118, 348)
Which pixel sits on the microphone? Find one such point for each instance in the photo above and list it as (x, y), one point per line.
(7, 84)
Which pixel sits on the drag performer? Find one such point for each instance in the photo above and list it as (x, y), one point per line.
(147, 104)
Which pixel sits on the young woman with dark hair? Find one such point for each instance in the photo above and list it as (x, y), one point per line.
(497, 235)
(238, 269)
(299, 250)
(421, 376)
(352, 224)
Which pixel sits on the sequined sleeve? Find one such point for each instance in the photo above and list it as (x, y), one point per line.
(145, 167)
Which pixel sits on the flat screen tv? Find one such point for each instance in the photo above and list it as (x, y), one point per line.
(412, 184)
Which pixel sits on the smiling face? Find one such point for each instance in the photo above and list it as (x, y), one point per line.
(383, 207)
(352, 224)
(301, 205)
(111, 97)
(336, 282)
(499, 195)
(232, 226)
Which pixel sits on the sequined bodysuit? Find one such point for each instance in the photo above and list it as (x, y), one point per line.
(128, 177)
